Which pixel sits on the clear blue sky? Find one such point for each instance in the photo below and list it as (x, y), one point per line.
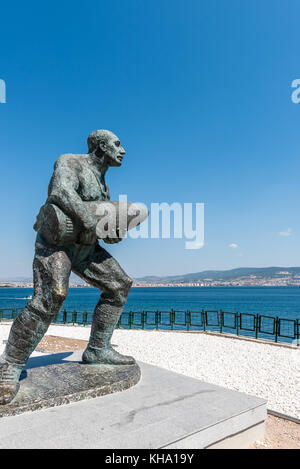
(199, 93)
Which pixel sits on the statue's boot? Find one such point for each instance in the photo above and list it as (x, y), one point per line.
(99, 349)
(9, 381)
(25, 334)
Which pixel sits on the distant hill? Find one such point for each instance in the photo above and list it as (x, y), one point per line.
(224, 275)
(255, 274)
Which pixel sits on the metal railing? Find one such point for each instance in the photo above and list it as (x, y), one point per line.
(246, 324)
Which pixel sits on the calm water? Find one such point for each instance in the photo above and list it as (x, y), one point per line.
(274, 301)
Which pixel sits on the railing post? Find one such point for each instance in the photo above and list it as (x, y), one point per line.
(297, 333)
(84, 318)
(143, 319)
(188, 320)
(276, 328)
(74, 317)
(172, 319)
(203, 320)
(221, 321)
(237, 322)
(64, 316)
(156, 319)
(256, 325)
(1, 315)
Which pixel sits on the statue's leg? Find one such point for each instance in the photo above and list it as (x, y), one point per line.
(51, 269)
(103, 272)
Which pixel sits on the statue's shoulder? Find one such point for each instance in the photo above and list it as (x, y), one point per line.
(71, 161)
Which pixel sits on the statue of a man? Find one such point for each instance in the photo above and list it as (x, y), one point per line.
(76, 180)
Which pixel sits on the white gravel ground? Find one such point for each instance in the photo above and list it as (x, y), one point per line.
(259, 369)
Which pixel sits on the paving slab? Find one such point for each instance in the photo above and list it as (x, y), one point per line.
(163, 410)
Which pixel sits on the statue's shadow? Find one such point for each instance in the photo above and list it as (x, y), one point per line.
(46, 360)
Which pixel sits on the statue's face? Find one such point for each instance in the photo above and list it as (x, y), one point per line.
(113, 150)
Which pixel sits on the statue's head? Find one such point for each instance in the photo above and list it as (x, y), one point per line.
(104, 143)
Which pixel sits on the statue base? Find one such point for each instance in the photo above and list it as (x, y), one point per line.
(65, 382)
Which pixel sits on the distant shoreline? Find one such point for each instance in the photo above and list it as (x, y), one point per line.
(238, 277)
(74, 286)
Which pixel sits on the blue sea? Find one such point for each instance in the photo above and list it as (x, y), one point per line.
(283, 302)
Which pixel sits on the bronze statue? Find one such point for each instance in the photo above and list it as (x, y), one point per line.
(76, 180)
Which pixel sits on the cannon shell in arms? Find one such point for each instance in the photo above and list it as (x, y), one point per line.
(113, 220)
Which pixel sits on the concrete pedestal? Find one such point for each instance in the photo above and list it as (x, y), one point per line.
(164, 410)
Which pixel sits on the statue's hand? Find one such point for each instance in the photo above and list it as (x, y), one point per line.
(117, 237)
(112, 240)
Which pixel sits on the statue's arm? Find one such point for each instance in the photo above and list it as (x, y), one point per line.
(63, 192)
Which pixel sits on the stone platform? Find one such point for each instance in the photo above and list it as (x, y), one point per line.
(164, 410)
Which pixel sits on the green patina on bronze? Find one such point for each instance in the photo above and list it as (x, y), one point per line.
(77, 180)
